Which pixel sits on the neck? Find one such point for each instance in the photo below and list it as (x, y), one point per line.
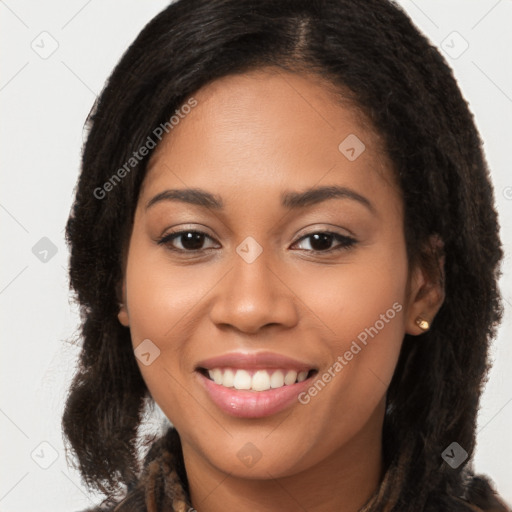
(344, 481)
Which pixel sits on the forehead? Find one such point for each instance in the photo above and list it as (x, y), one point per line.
(269, 129)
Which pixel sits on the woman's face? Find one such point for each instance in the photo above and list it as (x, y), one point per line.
(318, 287)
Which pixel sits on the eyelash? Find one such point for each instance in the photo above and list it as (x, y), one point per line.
(346, 242)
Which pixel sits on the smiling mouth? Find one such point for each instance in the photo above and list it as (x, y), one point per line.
(256, 379)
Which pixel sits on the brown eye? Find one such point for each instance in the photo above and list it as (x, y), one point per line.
(191, 241)
(321, 241)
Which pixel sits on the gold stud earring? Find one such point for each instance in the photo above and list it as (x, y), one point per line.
(422, 323)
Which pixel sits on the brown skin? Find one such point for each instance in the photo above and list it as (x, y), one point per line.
(249, 138)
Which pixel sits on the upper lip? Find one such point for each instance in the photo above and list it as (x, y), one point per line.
(254, 360)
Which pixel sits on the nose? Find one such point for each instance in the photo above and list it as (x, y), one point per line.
(254, 295)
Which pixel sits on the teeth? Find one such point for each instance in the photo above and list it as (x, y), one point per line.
(242, 380)
(290, 378)
(260, 380)
(277, 379)
(228, 378)
(216, 375)
(302, 376)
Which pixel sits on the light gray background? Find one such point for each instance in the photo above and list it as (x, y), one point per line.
(44, 100)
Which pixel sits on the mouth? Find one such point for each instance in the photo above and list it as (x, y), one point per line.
(254, 384)
(256, 380)
(254, 391)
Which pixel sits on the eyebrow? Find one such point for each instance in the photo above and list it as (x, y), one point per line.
(289, 199)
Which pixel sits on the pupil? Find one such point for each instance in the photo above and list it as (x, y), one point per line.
(192, 241)
(321, 241)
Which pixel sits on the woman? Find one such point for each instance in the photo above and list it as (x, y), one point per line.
(231, 139)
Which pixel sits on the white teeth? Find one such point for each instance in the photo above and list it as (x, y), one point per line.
(302, 376)
(291, 377)
(228, 378)
(260, 380)
(277, 379)
(216, 375)
(242, 380)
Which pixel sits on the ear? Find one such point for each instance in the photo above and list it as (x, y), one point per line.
(426, 286)
(122, 315)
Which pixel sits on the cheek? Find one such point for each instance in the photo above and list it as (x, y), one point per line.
(161, 296)
(164, 302)
(351, 297)
(362, 307)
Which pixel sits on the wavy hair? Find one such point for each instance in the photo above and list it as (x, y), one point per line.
(407, 91)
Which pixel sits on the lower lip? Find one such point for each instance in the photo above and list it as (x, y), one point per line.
(252, 404)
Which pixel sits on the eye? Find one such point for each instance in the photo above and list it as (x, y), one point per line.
(192, 241)
(321, 241)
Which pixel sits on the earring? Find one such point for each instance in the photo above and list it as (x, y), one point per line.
(422, 323)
